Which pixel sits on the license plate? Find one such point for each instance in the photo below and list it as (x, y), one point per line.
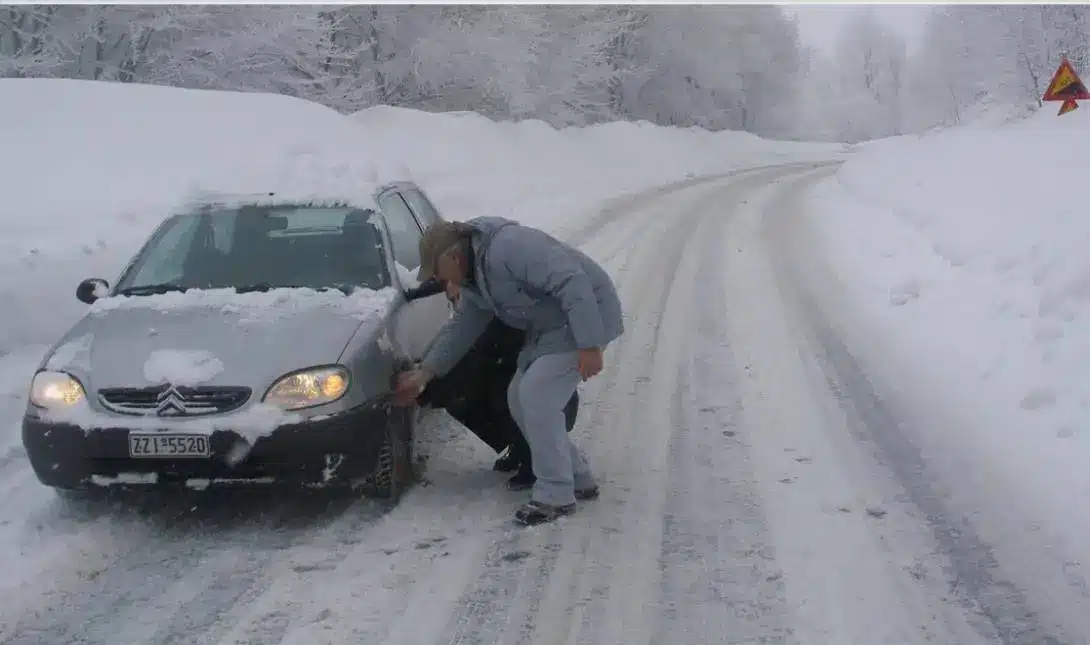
(168, 445)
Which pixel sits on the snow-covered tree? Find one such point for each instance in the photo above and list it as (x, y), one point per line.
(977, 57)
(871, 61)
(739, 67)
(713, 68)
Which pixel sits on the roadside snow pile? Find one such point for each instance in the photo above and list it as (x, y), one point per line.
(969, 248)
(532, 172)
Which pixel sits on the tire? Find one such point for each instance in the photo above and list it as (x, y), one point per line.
(394, 472)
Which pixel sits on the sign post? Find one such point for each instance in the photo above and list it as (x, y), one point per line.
(1066, 86)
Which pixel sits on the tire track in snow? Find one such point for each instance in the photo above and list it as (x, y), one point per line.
(625, 608)
(243, 576)
(504, 594)
(997, 608)
(201, 560)
(718, 570)
(620, 209)
(510, 566)
(844, 571)
(876, 576)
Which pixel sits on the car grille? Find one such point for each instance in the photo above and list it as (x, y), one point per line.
(169, 401)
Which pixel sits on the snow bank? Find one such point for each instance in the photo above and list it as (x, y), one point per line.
(968, 249)
(532, 172)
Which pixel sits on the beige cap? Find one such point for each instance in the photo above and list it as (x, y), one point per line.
(437, 240)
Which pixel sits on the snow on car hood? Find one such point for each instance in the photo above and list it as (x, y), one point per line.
(214, 337)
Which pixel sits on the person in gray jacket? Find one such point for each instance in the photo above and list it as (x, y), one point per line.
(568, 307)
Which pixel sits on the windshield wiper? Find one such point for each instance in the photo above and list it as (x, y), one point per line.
(151, 289)
(260, 286)
(265, 286)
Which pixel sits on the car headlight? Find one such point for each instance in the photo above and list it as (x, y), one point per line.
(307, 388)
(53, 390)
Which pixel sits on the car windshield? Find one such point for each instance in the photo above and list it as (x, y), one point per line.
(261, 247)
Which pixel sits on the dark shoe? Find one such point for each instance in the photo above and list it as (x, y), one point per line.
(521, 481)
(507, 462)
(533, 513)
(587, 494)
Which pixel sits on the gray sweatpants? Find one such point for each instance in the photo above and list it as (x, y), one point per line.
(537, 396)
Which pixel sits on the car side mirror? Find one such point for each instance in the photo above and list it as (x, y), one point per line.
(91, 290)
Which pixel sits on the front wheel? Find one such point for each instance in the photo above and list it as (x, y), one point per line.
(393, 473)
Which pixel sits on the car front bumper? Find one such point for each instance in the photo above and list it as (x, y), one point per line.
(330, 450)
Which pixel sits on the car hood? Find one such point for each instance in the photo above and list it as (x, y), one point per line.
(197, 338)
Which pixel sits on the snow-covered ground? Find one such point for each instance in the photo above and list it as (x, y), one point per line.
(966, 277)
(849, 407)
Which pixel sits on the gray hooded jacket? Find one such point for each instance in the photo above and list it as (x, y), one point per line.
(561, 298)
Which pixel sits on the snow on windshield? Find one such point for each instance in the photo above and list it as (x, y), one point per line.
(260, 306)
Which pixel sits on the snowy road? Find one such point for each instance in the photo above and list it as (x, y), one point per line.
(755, 490)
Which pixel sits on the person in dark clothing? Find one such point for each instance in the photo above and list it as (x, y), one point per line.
(474, 392)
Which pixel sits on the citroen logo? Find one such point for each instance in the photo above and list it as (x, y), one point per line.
(170, 403)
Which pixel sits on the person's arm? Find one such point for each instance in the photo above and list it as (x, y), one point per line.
(428, 288)
(539, 263)
(455, 338)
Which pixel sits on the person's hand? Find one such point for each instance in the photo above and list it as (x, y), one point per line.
(590, 362)
(409, 385)
(452, 291)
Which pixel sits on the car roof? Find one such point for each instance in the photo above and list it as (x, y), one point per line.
(220, 199)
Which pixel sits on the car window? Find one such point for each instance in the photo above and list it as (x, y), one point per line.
(422, 206)
(164, 259)
(301, 221)
(405, 234)
(223, 233)
(264, 246)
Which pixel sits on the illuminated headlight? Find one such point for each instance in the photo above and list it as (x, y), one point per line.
(307, 388)
(53, 390)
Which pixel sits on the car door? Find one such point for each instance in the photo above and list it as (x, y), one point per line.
(422, 207)
(416, 323)
(426, 215)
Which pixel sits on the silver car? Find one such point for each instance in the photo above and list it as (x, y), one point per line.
(249, 340)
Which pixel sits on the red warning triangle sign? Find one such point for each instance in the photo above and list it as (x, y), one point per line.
(1068, 106)
(1066, 85)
